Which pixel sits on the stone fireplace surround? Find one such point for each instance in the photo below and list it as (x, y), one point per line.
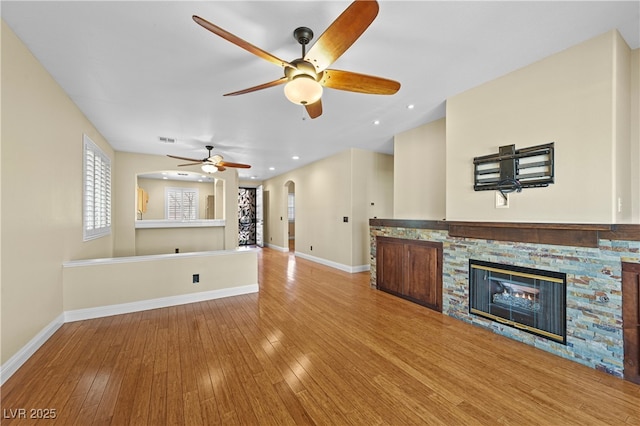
(590, 255)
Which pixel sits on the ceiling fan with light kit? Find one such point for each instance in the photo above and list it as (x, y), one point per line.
(211, 163)
(306, 76)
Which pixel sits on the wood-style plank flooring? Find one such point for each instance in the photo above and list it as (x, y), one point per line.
(314, 346)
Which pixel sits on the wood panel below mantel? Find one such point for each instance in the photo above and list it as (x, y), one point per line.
(566, 234)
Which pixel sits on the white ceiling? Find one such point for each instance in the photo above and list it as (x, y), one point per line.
(141, 70)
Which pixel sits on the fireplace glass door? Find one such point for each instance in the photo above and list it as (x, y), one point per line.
(528, 299)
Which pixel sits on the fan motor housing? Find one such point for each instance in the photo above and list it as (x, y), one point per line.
(301, 67)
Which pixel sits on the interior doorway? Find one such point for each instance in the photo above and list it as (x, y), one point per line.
(247, 216)
(260, 216)
(291, 215)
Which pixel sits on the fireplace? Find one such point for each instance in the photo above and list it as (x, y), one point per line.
(528, 299)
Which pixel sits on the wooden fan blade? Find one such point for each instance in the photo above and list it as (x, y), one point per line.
(315, 109)
(184, 158)
(221, 168)
(240, 42)
(259, 87)
(190, 164)
(236, 165)
(342, 33)
(361, 83)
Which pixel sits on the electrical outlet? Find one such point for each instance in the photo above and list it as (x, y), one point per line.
(196, 278)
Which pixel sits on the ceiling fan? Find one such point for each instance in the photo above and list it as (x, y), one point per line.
(212, 163)
(306, 76)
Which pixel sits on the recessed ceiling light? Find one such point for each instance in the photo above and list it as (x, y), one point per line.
(165, 177)
(376, 122)
(253, 177)
(272, 168)
(410, 106)
(295, 157)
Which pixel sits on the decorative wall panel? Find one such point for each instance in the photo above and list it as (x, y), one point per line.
(246, 216)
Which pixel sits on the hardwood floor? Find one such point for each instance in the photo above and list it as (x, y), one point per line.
(314, 346)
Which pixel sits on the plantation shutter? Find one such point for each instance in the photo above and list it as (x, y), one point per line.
(97, 191)
(182, 203)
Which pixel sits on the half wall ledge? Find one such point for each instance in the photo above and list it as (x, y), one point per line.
(102, 287)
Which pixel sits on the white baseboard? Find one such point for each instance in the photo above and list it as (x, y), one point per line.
(163, 302)
(336, 265)
(16, 361)
(275, 247)
(360, 268)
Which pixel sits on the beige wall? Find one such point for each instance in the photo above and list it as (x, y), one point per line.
(41, 194)
(98, 284)
(621, 200)
(322, 200)
(635, 136)
(129, 166)
(371, 196)
(420, 172)
(167, 240)
(342, 185)
(569, 98)
(156, 207)
(2, 356)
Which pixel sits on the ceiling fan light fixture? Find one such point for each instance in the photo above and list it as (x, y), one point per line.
(209, 168)
(303, 89)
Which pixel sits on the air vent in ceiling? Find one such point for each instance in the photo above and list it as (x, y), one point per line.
(165, 139)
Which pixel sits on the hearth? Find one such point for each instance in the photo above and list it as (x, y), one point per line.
(528, 299)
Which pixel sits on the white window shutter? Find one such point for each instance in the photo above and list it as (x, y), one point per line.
(97, 191)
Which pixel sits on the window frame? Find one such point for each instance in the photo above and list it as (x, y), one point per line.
(196, 197)
(96, 204)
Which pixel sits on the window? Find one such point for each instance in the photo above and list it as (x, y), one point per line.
(291, 207)
(181, 203)
(97, 191)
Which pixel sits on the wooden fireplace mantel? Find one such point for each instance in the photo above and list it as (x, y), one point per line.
(567, 234)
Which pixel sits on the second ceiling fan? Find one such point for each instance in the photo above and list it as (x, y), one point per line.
(306, 76)
(211, 163)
